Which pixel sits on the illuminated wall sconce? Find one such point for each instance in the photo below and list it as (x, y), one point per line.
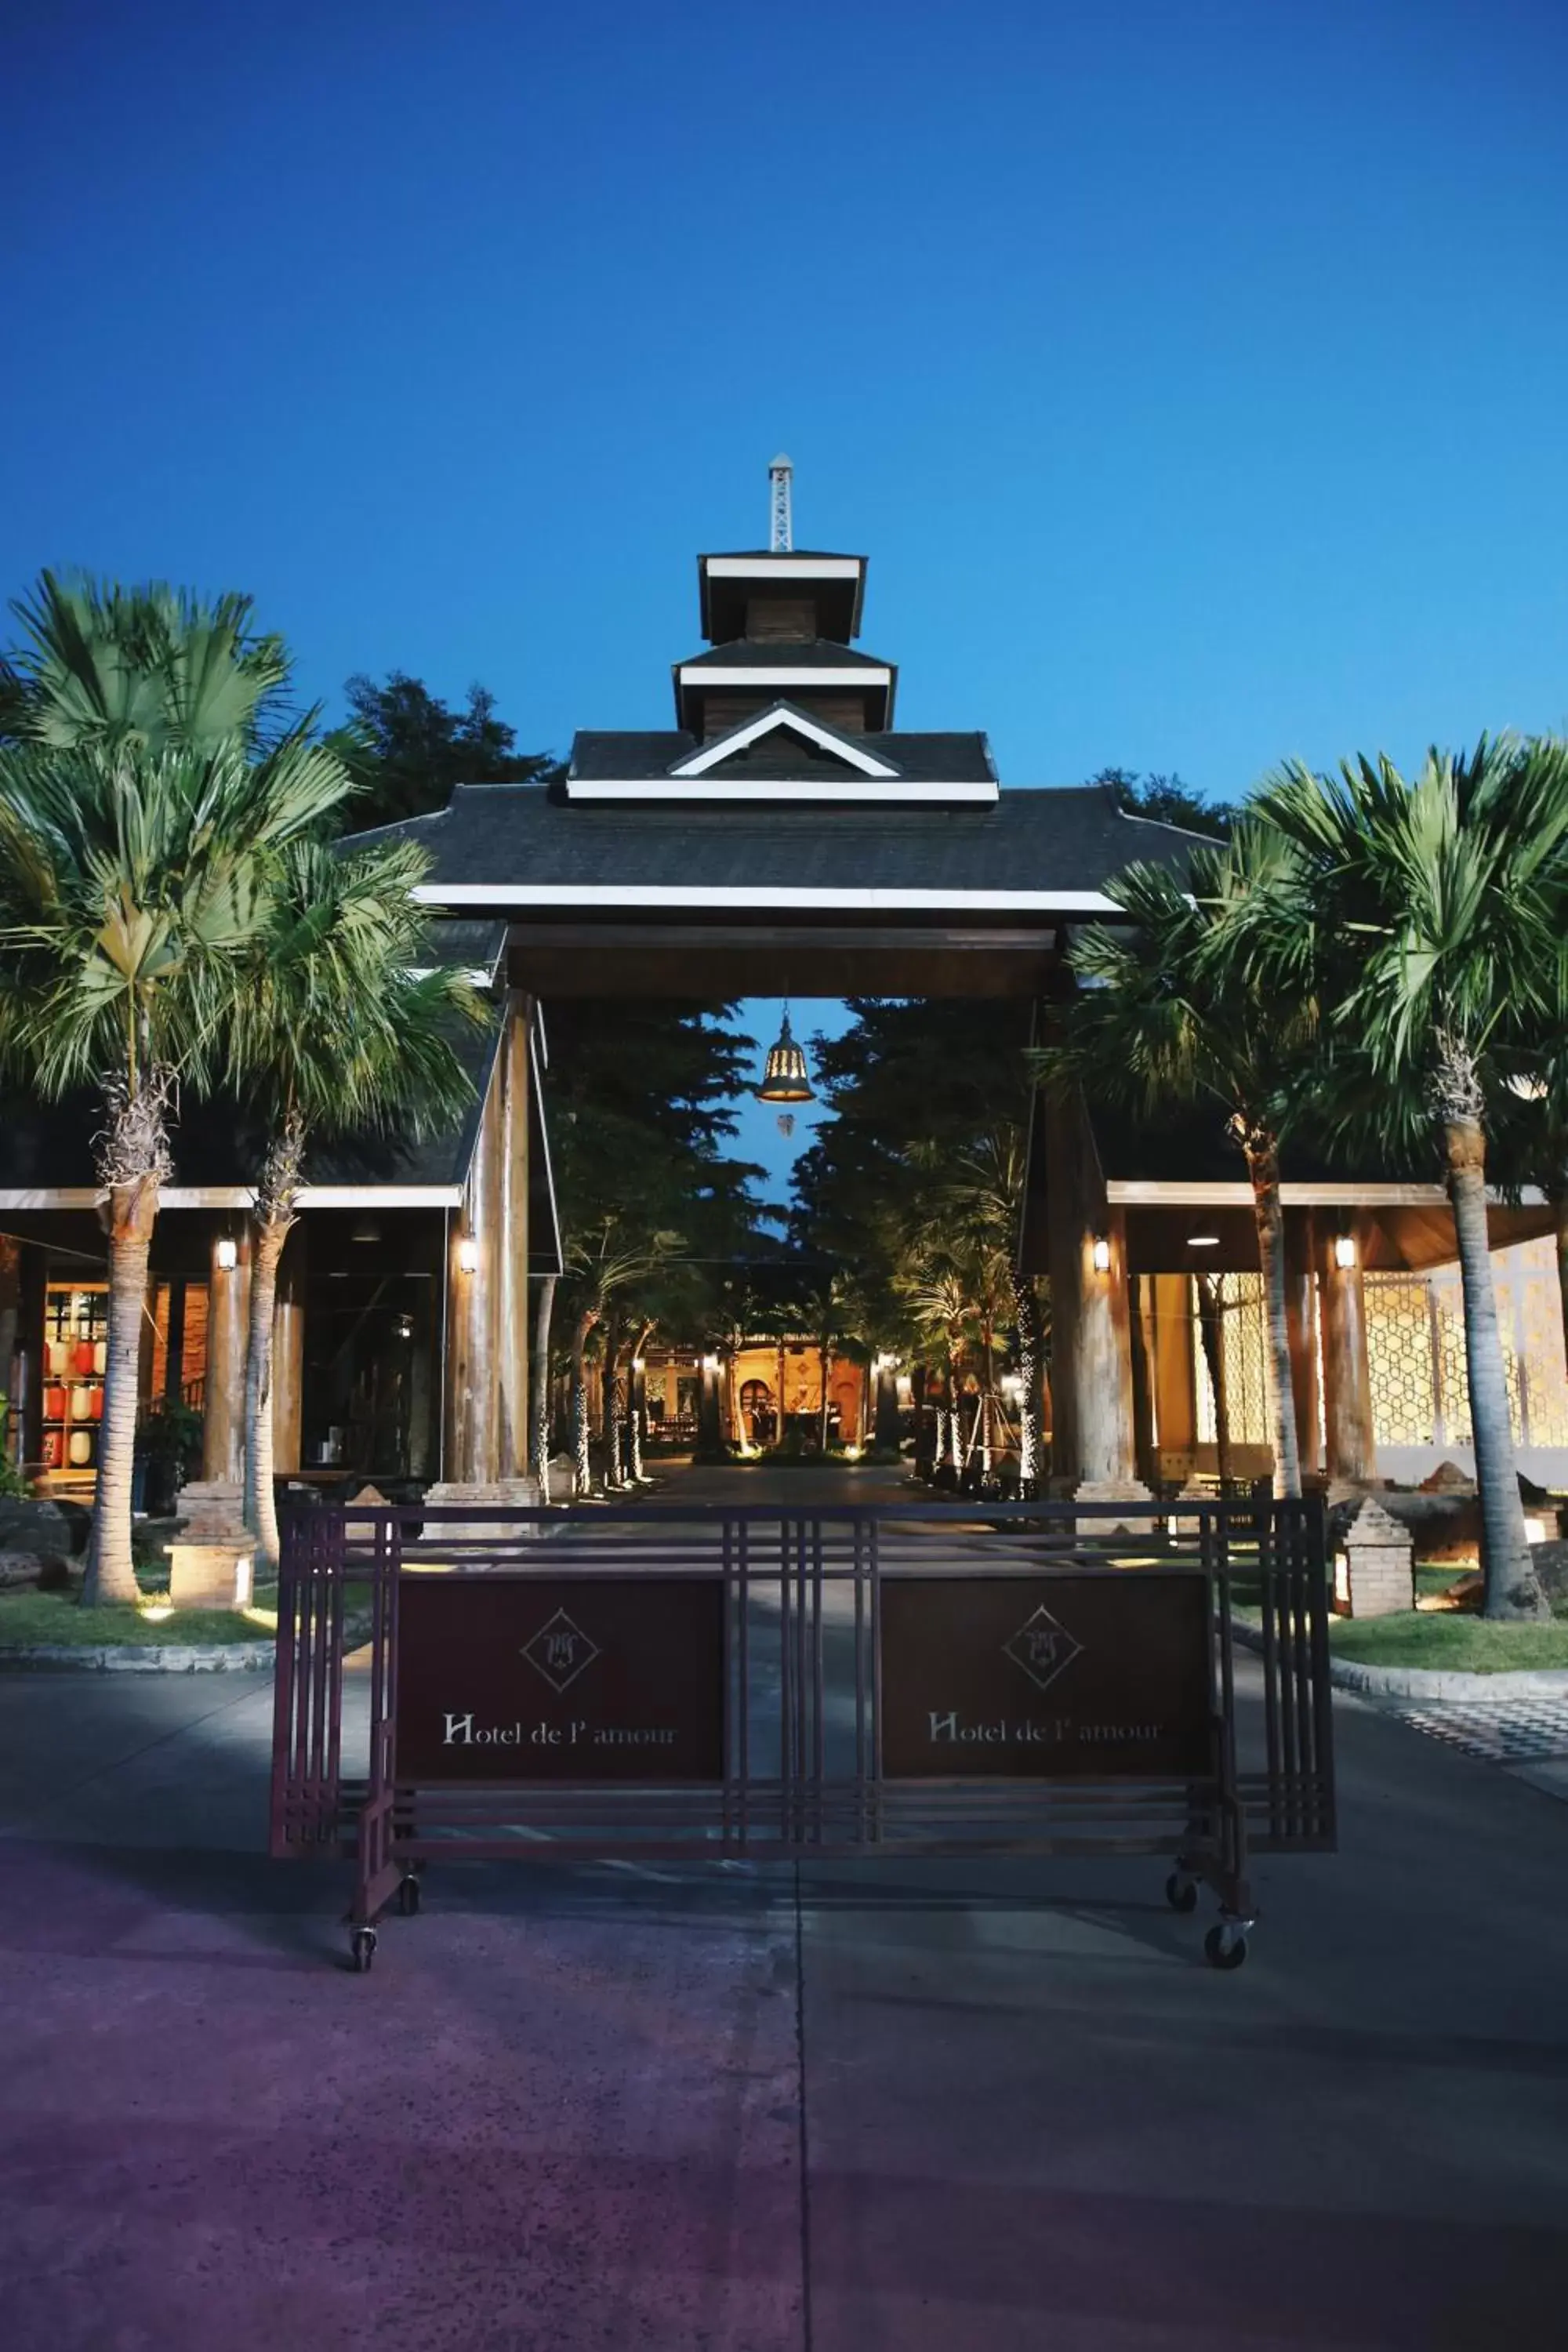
(226, 1257)
(1102, 1258)
(469, 1255)
(639, 1363)
(709, 1363)
(1344, 1250)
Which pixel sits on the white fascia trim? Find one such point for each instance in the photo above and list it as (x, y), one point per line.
(707, 674)
(791, 567)
(1135, 1192)
(779, 788)
(768, 722)
(826, 901)
(242, 1196)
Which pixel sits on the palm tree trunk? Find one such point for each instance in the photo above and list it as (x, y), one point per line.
(260, 1508)
(111, 1564)
(1279, 1394)
(583, 1468)
(1027, 1326)
(1511, 1589)
(540, 1397)
(638, 1400)
(1211, 1329)
(822, 1431)
(779, 1416)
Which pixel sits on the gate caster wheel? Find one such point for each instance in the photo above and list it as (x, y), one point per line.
(363, 1944)
(1224, 1946)
(1182, 1892)
(408, 1896)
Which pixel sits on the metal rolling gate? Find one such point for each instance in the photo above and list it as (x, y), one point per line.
(659, 1682)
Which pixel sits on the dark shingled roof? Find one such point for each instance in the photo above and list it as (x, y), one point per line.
(1069, 840)
(782, 653)
(923, 759)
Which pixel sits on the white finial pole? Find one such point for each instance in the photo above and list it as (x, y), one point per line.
(781, 532)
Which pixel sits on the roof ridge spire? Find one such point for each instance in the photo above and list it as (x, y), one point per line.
(781, 524)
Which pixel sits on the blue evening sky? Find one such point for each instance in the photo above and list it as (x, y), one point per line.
(1194, 372)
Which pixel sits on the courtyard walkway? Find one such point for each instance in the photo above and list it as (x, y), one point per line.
(853, 2107)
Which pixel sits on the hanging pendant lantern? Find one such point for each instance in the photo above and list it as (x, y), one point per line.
(785, 1080)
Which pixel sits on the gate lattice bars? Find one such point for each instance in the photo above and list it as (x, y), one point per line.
(789, 1615)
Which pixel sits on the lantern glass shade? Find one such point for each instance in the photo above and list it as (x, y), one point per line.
(784, 1079)
(226, 1254)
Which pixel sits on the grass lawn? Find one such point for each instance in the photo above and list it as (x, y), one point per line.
(1458, 1641)
(57, 1618)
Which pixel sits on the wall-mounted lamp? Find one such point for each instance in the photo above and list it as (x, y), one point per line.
(1103, 1256)
(468, 1254)
(1344, 1249)
(1202, 1241)
(225, 1257)
(639, 1363)
(709, 1363)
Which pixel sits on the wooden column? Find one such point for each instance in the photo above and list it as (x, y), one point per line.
(1302, 1327)
(27, 1404)
(289, 1354)
(1141, 1335)
(223, 1414)
(1175, 1378)
(1091, 1366)
(471, 1418)
(512, 1335)
(1351, 1456)
(10, 1325)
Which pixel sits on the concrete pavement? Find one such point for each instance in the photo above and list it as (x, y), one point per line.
(882, 2105)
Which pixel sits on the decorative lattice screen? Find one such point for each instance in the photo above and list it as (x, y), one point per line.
(1243, 1337)
(1415, 1347)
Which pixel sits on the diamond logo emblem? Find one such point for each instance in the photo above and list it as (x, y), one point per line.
(560, 1650)
(1042, 1648)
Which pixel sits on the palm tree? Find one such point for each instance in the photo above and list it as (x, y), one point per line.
(608, 1259)
(1443, 902)
(982, 1200)
(152, 667)
(134, 884)
(1164, 1014)
(337, 1029)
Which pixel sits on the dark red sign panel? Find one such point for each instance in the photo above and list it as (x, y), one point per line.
(520, 1678)
(1071, 1677)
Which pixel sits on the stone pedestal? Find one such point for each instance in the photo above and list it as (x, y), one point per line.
(512, 1493)
(211, 1575)
(1375, 1573)
(212, 1511)
(1116, 1490)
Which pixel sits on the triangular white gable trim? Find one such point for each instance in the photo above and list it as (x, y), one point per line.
(795, 722)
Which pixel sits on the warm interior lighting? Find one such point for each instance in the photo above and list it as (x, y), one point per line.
(365, 1233)
(156, 1610)
(469, 1255)
(1202, 1241)
(1535, 1532)
(1102, 1258)
(226, 1255)
(639, 1363)
(1344, 1250)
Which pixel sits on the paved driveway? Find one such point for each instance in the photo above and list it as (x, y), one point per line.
(897, 2104)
